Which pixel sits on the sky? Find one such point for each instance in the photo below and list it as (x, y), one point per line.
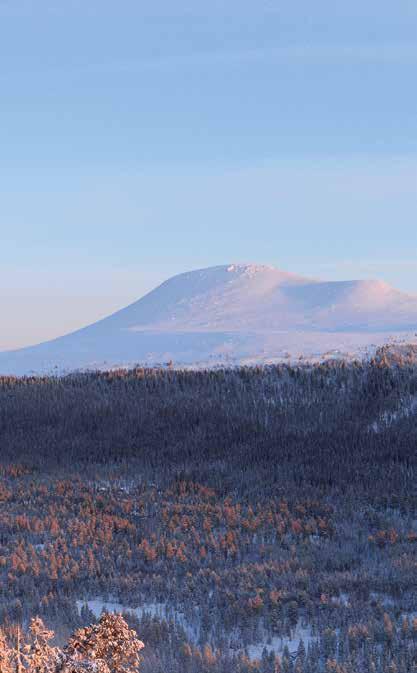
(142, 139)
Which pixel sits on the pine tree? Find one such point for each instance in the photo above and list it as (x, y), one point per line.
(301, 654)
(292, 611)
(286, 662)
(87, 615)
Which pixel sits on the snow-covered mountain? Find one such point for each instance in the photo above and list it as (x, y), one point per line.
(231, 314)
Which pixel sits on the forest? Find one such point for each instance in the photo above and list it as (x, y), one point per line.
(241, 520)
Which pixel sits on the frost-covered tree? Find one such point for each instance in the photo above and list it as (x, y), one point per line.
(71, 665)
(39, 656)
(107, 647)
(17, 655)
(5, 655)
(110, 644)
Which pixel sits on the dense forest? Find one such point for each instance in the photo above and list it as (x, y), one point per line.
(243, 520)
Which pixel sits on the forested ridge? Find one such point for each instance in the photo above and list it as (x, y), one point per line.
(245, 519)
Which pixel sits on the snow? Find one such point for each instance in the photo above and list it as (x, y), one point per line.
(229, 315)
(277, 644)
(162, 611)
(98, 605)
(406, 407)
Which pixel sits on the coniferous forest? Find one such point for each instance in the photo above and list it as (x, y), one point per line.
(241, 520)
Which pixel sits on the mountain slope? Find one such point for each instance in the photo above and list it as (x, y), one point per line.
(236, 313)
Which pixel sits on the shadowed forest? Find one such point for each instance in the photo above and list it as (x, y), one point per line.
(255, 519)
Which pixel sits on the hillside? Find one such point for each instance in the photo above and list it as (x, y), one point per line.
(229, 514)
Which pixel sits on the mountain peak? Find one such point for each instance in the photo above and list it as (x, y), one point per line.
(237, 270)
(250, 269)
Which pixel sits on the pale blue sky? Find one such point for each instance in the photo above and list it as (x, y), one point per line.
(138, 140)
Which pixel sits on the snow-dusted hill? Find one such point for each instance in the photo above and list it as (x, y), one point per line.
(232, 314)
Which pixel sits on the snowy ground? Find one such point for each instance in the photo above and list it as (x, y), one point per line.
(276, 644)
(160, 610)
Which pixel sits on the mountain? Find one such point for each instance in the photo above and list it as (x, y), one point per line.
(241, 313)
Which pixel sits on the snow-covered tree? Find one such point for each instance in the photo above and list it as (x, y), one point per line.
(39, 656)
(111, 645)
(5, 655)
(107, 647)
(17, 655)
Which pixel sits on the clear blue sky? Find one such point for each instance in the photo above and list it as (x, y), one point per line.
(138, 140)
